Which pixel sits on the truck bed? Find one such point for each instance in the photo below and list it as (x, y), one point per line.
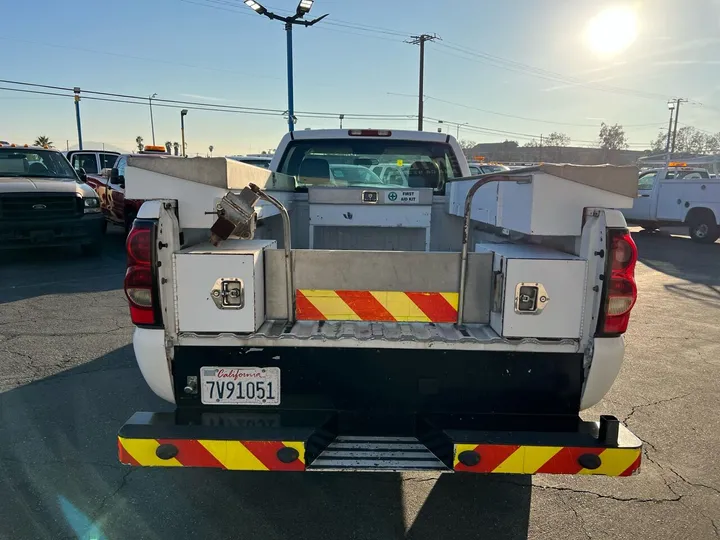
(369, 335)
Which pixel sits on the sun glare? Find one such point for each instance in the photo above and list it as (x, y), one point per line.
(611, 31)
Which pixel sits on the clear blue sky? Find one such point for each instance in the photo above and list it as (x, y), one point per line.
(219, 51)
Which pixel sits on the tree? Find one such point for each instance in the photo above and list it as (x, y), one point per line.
(139, 143)
(612, 137)
(466, 144)
(658, 144)
(43, 140)
(176, 147)
(168, 146)
(713, 144)
(211, 147)
(557, 140)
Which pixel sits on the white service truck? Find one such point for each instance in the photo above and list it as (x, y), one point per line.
(303, 322)
(678, 195)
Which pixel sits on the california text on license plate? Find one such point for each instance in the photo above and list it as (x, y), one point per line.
(240, 385)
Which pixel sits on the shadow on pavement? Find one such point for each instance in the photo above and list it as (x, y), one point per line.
(679, 257)
(61, 270)
(59, 478)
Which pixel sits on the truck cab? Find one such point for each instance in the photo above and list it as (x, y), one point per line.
(678, 195)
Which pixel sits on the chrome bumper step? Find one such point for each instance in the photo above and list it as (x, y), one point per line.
(353, 453)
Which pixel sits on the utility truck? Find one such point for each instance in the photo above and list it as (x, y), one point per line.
(298, 322)
(678, 195)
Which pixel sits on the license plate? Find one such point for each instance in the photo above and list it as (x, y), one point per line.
(240, 385)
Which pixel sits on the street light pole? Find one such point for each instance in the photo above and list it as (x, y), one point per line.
(182, 130)
(152, 124)
(291, 97)
(303, 9)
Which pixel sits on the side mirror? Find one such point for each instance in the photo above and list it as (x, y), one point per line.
(114, 174)
(82, 174)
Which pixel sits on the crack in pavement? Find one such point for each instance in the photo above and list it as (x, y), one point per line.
(580, 520)
(123, 482)
(635, 408)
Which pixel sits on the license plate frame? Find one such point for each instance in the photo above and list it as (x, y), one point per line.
(230, 385)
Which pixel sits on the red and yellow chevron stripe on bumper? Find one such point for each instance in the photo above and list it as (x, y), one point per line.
(220, 454)
(516, 459)
(387, 306)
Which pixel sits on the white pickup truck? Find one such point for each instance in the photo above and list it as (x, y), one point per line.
(454, 323)
(678, 195)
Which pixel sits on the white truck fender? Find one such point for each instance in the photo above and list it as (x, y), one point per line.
(607, 358)
(149, 346)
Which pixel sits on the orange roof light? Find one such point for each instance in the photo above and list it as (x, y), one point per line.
(677, 164)
(152, 148)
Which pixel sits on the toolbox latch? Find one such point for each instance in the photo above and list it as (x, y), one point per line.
(228, 293)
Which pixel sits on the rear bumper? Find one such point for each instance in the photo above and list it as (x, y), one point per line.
(86, 229)
(308, 441)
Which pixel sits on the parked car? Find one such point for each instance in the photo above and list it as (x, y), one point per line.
(482, 168)
(43, 202)
(259, 161)
(109, 184)
(91, 161)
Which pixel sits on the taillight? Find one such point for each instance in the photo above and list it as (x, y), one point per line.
(620, 288)
(140, 280)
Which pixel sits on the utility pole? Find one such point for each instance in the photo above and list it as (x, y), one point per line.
(671, 106)
(678, 101)
(420, 40)
(540, 148)
(152, 123)
(76, 91)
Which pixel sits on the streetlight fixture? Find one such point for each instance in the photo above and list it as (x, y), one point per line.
(303, 9)
(152, 124)
(182, 130)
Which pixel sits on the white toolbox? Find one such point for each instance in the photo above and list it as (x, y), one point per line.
(552, 203)
(223, 288)
(539, 292)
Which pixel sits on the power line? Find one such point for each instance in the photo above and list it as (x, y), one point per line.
(530, 119)
(214, 106)
(526, 69)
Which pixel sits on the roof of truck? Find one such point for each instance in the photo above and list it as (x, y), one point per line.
(369, 134)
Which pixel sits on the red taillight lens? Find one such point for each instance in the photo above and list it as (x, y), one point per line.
(138, 245)
(621, 291)
(140, 278)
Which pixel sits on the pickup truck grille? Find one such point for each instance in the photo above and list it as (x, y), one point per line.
(40, 207)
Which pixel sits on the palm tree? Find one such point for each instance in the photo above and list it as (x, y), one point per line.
(168, 146)
(43, 140)
(139, 142)
(211, 147)
(176, 147)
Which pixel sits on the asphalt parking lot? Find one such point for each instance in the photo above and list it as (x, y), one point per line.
(68, 380)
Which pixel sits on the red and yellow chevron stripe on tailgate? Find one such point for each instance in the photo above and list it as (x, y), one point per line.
(512, 459)
(231, 455)
(388, 306)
